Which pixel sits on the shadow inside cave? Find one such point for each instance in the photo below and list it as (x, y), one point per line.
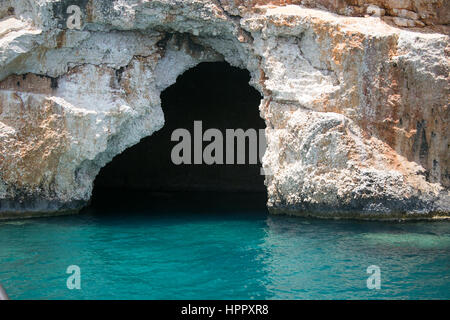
(145, 176)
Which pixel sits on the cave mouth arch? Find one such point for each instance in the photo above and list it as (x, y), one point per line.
(219, 96)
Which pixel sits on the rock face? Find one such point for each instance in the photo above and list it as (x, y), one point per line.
(356, 109)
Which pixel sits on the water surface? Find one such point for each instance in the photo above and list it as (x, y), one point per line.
(162, 251)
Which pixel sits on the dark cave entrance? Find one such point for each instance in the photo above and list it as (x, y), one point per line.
(220, 97)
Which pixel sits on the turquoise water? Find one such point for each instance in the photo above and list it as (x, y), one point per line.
(157, 253)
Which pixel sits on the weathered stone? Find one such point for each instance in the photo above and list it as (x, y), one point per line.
(375, 11)
(402, 13)
(356, 110)
(404, 22)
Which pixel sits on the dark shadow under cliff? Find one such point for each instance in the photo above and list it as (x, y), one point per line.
(216, 94)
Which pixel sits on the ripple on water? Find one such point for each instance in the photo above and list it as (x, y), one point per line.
(226, 255)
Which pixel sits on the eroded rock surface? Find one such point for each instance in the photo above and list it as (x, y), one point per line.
(356, 108)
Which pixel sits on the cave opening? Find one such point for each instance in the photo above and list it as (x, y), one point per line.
(212, 95)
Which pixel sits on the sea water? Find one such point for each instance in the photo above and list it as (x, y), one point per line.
(220, 252)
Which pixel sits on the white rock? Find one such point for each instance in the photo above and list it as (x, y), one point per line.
(356, 110)
(375, 11)
(404, 22)
(403, 13)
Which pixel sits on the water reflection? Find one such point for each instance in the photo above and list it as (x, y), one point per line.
(222, 255)
(308, 258)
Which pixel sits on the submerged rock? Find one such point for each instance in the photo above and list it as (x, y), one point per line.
(356, 108)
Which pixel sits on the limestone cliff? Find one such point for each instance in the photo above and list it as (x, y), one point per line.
(356, 108)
